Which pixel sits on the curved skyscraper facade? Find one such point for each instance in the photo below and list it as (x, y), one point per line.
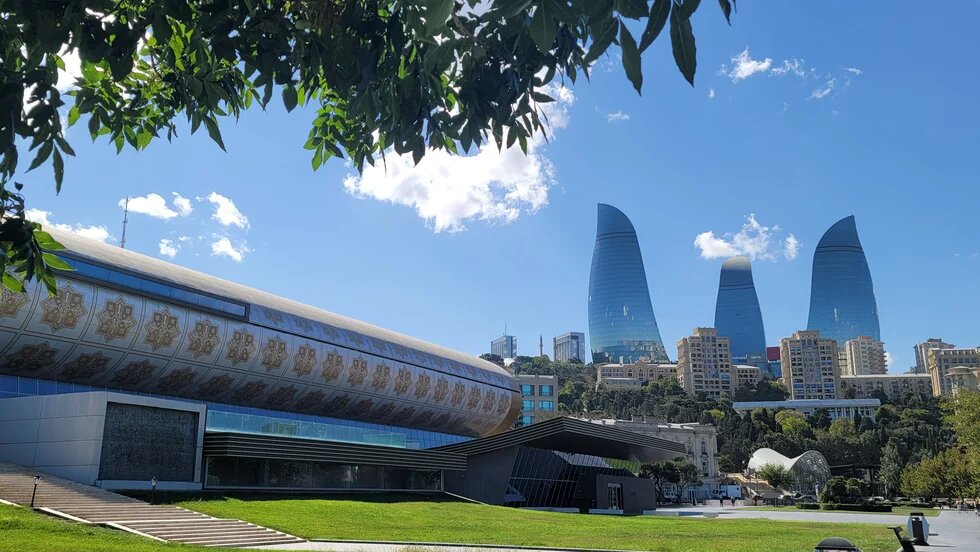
(737, 313)
(842, 297)
(622, 327)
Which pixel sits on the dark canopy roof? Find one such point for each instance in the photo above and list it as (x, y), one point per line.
(576, 437)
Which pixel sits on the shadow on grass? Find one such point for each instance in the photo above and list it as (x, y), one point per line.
(174, 497)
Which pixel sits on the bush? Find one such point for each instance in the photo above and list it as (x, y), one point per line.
(866, 507)
(807, 505)
(921, 504)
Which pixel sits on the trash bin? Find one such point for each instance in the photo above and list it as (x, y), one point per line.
(918, 528)
(836, 544)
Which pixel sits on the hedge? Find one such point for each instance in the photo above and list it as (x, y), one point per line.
(869, 507)
(807, 505)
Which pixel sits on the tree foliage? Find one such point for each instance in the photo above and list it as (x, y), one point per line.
(950, 473)
(375, 75)
(845, 490)
(775, 475)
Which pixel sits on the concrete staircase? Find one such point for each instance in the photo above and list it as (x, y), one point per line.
(85, 504)
(755, 487)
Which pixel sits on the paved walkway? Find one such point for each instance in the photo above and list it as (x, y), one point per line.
(345, 546)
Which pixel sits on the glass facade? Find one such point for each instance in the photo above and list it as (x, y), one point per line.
(622, 326)
(737, 313)
(226, 472)
(545, 478)
(547, 390)
(242, 419)
(842, 298)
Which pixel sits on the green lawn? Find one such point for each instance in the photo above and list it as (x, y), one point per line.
(417, 518)
(21, 529)
(896, 510)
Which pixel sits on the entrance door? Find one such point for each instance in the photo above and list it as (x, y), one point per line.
(615, 495)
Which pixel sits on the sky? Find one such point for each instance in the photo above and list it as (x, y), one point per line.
(799, 117)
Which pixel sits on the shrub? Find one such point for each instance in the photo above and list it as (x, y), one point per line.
(807, 505)
(866, 507)
(921, 504)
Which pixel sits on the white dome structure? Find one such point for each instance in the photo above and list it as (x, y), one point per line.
(808, 470)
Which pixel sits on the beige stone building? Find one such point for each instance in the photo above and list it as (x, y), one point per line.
(810, 365)
(893, 385)
(641, 371)
(701, 442)
(863, 356)
(747, 376)
(922, 353)
(704, 363)
(941, 361)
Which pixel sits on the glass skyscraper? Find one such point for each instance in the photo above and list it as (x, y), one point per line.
(737, 313)
(622, 327)
(842, 297)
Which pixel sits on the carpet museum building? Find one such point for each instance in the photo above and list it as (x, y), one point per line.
(139, 368)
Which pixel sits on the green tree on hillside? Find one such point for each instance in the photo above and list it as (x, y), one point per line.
(775, 475)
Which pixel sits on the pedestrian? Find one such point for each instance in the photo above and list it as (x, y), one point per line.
(721, 501)
(733, 501)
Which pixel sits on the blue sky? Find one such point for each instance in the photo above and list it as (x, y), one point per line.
(800, 116)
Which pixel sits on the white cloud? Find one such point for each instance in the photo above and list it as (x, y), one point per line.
(448, 190)
(226, 212)
(169, 248)
(823, 91)
(853, 70)
(72, 71)
(889, 360)
(223, 246)
(711, 93)
(99, 233)
(754, 240)
(791, 247)
(743, 66)
(182, 204)
(793, 66)
(617, 117)
(154, 205)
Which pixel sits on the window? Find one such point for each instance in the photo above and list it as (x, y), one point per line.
(527, 420)
(527, 390)
(527, 406)
(547, 406)
(546, 390)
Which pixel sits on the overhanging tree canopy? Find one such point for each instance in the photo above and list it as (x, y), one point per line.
(382, 75)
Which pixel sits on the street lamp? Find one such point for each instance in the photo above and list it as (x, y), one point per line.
(37, 479)
(153, 489)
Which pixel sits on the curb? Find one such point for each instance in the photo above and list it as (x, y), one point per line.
(470, 545)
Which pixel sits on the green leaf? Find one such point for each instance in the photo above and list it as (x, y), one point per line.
(631, 57)
(687, 8)
(602, 36)
(509, 8)
(12, 283)
(213, 132)
(682, 42)
(633, 9)
(73, 115)
(544, 28)
(42, 155)
(436, 14)
(541, 97)
(56, 262)
(726, 8)
(659, 12)
(59, 170)
(289, 98)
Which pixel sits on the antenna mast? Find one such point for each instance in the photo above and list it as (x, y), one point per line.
(122, 242)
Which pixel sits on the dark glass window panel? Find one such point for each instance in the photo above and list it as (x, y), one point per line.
(332, 476)
(367, 477)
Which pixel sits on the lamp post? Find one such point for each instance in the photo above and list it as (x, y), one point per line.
(37, 479)
(153, 489)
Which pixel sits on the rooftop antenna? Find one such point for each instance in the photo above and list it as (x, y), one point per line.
(541, 345)
(122, 242)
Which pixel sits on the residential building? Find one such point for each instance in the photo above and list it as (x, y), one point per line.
(704, 363)
(570, 346)
(504, 346)
(619, 383)
(837, 408)
(622, 326)
(964, 377)
(641, 371)
(747, 376)
(809, 365)
(774, 363)
(941, 361)
(700, 441)
(864, 356)
(842, 298)
(138, 367)
(892, 385)
(737, 313)
(539, 398)
(922, 350)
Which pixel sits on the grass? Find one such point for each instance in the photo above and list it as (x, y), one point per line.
(422, 518)
(21, 529)
(896, 510)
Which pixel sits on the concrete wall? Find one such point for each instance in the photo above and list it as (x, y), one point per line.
(63, 435)
(638, 493)
(486, 476)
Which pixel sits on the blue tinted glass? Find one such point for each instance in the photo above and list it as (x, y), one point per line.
(234, 308)
(126, 280)
(27, 386)
(737, 313)
(210, 302)
(547, 390)
(622, 326)
(155, 288)
(46, 387)
(547, 406)
(842, 298)
(527, 406)
(527, 390)
(92, 271)
(184, 295)
(8, 384)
